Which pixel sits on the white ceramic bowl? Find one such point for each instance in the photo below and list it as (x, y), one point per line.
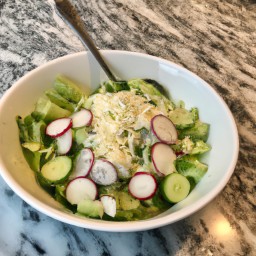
(182, 84)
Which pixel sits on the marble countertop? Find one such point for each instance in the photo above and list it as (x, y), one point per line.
(214, 39)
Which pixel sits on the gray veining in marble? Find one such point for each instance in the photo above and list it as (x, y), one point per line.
(214, 39)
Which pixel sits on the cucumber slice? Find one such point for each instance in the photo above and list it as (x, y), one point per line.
(57, 170)
(175, 187)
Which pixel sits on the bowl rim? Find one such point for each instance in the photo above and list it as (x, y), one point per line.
(131, 226)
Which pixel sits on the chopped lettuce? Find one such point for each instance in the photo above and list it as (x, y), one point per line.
(190, 166)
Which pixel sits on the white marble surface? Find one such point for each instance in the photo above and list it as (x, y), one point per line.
(214, 39)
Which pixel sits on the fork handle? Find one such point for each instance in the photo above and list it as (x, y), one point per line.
(70, 16)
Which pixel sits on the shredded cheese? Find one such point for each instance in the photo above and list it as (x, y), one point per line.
(116, 114)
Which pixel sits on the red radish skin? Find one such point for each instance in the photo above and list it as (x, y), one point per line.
(64, 142)
(179, 153)
(58, 127)
(164, 129)
(142, 185)
(83, 164)
(163, 158)
(79, 189)
(82, 118)
(103, 172)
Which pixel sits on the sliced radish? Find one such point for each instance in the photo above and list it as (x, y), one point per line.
(109, 205)
(142, 186)
(58, 127)
(64, 143)
(179, 153)
(163, 158)
(79, 189)
(83, 163)
(82, 118)
(103, 172)
(163, 128)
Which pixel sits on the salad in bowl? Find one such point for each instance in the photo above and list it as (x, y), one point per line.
(115, 156)
(125, 152)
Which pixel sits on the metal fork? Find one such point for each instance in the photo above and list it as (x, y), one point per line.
(70, 16)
